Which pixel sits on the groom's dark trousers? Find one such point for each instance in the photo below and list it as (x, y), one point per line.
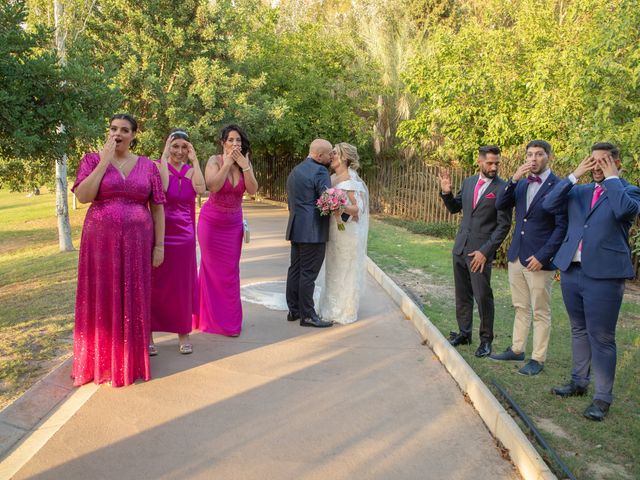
(482, 228)
(308, 233)
(306, 261)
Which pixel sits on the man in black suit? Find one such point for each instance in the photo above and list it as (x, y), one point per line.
(307, 231)
(482, 230)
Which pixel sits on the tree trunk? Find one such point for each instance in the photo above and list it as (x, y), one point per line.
(62, 205)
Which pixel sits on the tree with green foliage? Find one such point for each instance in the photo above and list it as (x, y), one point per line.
(507, 72)
(201, 64)
(30, 104)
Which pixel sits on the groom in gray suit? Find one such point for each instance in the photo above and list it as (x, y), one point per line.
(307, 231)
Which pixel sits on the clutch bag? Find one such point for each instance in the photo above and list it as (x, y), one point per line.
(247, 233)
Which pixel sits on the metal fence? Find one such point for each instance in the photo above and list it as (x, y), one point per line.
(409, 190)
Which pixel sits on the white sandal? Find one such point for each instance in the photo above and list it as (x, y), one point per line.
(186, 348)
(153, 350)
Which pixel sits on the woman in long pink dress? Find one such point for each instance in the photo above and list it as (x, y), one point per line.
(174, 285)
(117, 251)
(220, 232)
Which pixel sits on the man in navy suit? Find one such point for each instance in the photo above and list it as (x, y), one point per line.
(536, 239)
(595, 260)
(482, 230)
(307, 231)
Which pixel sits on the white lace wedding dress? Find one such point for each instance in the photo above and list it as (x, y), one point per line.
(342, 278)
(344, 264)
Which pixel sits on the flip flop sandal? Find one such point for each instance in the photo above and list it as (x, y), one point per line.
(186, 349)
(153, 350)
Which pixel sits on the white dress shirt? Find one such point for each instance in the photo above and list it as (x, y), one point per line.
(483, 188)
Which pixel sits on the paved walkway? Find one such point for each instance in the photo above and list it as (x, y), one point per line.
(364, 401)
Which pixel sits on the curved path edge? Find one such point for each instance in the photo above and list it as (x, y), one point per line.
(501, 425)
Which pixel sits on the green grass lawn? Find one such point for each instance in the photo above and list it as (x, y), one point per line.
(37, 290)
(592, 450)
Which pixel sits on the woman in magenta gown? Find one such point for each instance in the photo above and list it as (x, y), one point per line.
(117, 251)
(174, 285)
(220, 232)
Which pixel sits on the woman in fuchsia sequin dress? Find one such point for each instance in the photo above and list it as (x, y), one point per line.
(220, 231)
(117, 250)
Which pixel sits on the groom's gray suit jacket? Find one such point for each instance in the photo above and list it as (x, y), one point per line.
(306, 182)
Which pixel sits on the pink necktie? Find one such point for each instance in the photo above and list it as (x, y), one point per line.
(596, 194)
(479, 185)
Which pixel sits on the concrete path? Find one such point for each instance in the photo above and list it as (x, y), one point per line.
(364, 401)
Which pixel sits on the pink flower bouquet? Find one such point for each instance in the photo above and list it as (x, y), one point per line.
(331, 201)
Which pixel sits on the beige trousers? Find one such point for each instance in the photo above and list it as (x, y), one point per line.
(531, 293)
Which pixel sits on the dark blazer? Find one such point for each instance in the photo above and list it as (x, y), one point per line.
(306, 182)
(603, 229)
(482, 228)
(537, 232)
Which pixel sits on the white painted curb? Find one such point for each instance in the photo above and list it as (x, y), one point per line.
(525, 457)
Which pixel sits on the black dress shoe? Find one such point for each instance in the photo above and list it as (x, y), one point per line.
(597, 410)
(569, 390)
(484, 350)
(314, 322)
(460, 339)
(292, 318)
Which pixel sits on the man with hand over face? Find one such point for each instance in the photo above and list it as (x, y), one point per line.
(595, 260)
(482, 230)
(536, 239)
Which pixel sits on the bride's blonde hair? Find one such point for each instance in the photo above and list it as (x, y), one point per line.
(349, 153)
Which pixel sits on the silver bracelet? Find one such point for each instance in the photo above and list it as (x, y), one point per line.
(246, 169)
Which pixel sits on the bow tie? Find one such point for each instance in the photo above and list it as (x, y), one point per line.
(534, 179)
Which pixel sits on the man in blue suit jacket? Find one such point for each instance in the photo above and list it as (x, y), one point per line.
(595, 260)
(307, 231)
(536, 239)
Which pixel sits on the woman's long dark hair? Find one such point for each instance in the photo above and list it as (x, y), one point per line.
(224, 135)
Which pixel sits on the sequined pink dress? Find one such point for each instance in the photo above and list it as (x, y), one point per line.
(220, 237)
(111, 335)
(174, 285)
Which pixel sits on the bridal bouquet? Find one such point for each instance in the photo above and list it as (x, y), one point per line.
(331, 201)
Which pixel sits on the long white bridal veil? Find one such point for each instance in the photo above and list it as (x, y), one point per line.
(272, 295)
(362, 195)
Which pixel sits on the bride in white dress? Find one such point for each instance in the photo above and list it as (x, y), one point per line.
(342, 279)
(344, 264)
